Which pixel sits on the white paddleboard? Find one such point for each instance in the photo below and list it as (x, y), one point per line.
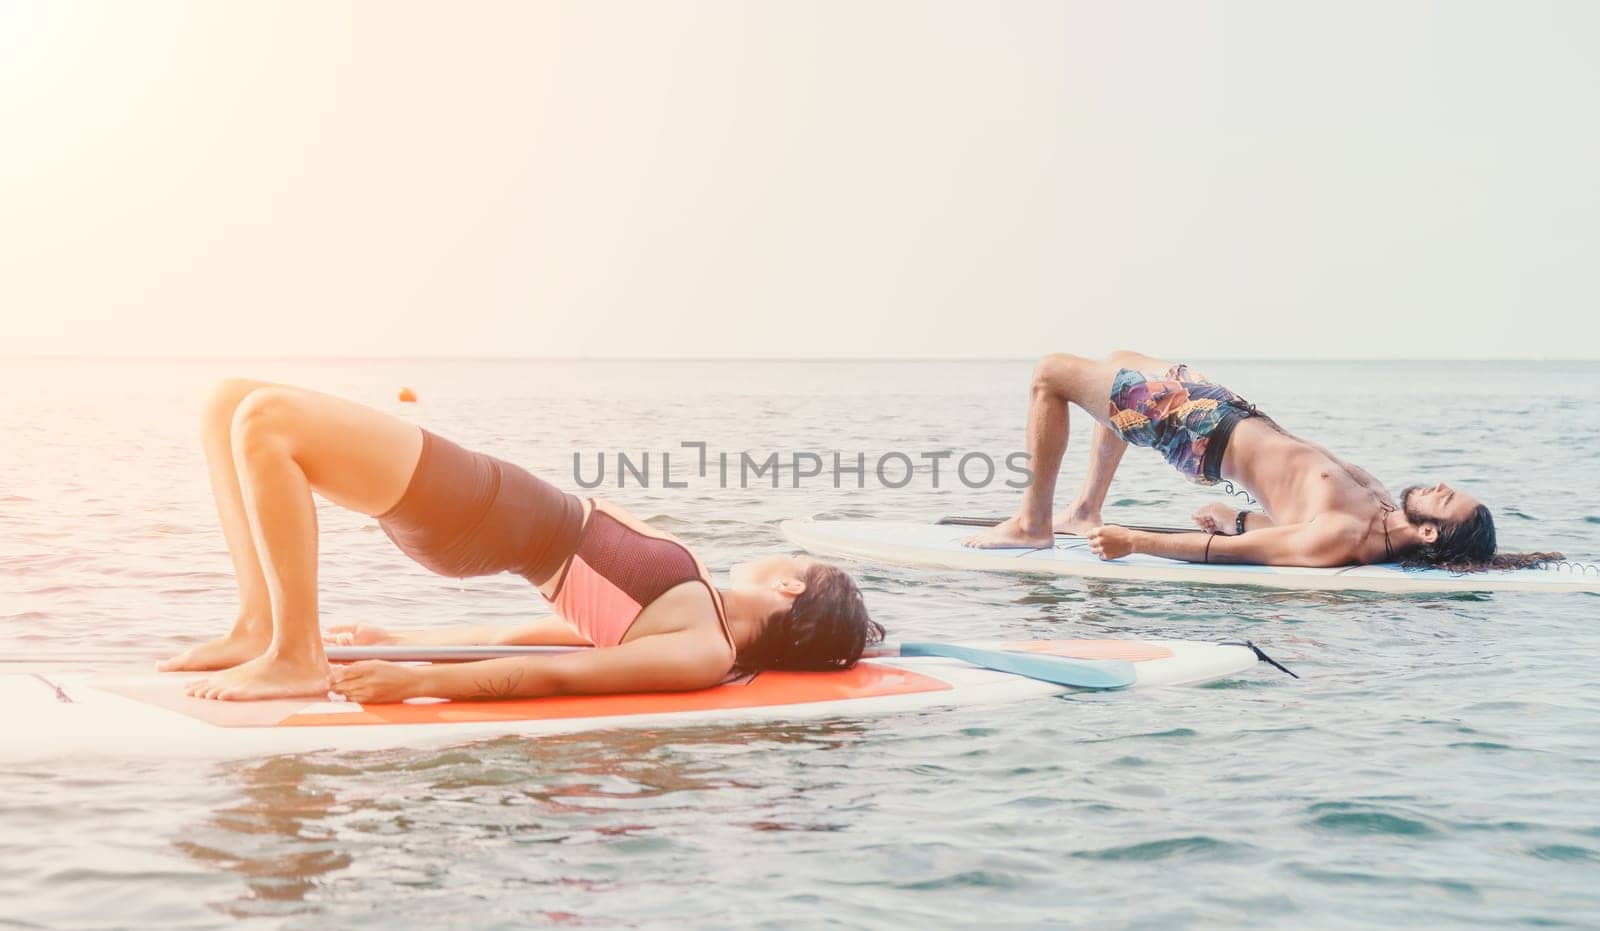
(147, 715)
(939, 546)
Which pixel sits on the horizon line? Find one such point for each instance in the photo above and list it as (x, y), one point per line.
(278, 357)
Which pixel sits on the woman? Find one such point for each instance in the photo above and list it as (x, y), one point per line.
(637, 594)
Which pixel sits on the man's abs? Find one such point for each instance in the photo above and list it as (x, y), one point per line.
(1295, 481)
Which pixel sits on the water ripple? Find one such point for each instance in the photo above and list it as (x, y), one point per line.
(1435, 767)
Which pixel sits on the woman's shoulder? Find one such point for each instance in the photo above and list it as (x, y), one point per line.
(687, 605)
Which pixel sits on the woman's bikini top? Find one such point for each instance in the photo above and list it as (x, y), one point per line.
(620, 566)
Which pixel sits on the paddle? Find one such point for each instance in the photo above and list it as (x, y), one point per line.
(994, 521)
(1083, 674)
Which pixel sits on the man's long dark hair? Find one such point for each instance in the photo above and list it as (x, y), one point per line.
(1470, 547)
(826, 627)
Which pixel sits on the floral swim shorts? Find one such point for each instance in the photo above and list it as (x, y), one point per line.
(1183, 415)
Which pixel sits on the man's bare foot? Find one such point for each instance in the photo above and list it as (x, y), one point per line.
(266, 676)
(1010, 533)
(1078, 522)
(230, 649)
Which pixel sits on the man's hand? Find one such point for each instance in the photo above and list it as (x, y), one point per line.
(1110, 541)
(358, 635)
(1217, 517)
(375, 682)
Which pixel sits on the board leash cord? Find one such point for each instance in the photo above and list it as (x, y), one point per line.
(61, 693)
(1568, 565)
(1260, 655)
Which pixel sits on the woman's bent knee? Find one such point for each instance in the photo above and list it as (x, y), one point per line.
(263, 418)
(223, 399)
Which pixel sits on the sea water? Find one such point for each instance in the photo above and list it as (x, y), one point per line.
(1436, 765)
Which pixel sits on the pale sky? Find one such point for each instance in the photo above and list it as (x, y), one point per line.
(836, 179)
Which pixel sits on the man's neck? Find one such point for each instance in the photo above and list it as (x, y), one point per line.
(1404, 536)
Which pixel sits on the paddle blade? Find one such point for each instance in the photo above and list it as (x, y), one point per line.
(1083, 674)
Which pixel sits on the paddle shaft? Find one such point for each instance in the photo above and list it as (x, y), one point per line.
(995, 521)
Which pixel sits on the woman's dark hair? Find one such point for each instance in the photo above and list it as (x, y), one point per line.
(1469, 546)
(826, 627)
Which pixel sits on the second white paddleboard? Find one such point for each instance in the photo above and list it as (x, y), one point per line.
(940, 546)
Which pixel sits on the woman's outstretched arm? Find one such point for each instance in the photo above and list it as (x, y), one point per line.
(549, 630)
(670, 662)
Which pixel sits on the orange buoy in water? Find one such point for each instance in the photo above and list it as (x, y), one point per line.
(408, 396)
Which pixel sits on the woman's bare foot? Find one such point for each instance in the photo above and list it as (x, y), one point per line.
(230, 649)
(1078, 522)
(1010, 533)
(267, 676)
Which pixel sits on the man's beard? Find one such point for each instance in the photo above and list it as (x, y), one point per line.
(1411, 513)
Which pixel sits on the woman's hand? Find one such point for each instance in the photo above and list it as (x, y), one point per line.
(1217, 517)
(359, 635)
(376, 682)
(1111, 541)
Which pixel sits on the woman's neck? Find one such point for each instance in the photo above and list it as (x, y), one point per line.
(746, 614)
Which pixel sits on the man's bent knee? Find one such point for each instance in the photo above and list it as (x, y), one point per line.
(1052, 373)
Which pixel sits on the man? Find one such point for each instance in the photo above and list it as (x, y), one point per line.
(1318, 509)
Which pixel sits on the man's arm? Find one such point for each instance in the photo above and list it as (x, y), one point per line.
(1255, 520)
(1310, 544)
(1221, 517)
